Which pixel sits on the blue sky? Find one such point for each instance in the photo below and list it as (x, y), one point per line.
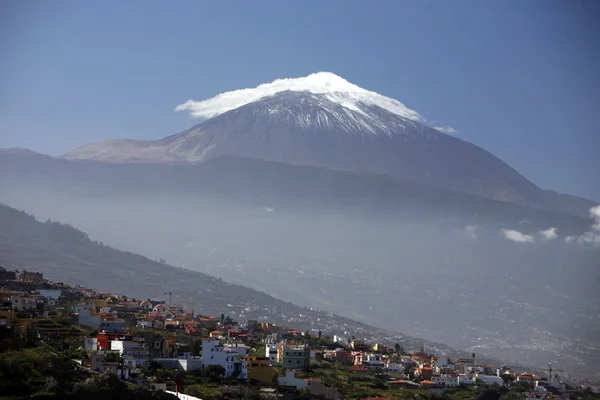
(519, 78)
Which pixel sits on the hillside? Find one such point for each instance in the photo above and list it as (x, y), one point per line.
(62, 252)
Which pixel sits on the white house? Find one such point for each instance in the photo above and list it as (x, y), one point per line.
(144, 323)
(162, 308)
(23, 303)
(291, 380)
(229, 357)
(450, 380)
(113, 326)
(271, 353)
(50, 293)
(146, 305)
(491, 379)
(396, 367)
(132, 350)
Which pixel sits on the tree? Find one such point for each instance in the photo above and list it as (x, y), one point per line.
(399, 348)
(195, 346)
(213, 372)
(507, 379)
(319, 334)
(107, 384)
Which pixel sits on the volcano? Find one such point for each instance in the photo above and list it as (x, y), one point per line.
(323, 120)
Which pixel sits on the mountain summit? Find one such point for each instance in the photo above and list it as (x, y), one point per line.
(324, 120)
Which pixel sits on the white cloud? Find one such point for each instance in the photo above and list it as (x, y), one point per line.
(549, 234)
(591, 237)
(517, 236)
(334, 87)
(595, 214)
(472, 231)
(446, 129)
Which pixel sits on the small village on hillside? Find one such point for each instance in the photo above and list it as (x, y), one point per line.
(164, 347)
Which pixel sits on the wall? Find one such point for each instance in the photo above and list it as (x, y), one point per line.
(182, 396)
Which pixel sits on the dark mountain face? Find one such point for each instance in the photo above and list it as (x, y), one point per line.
(309, 129)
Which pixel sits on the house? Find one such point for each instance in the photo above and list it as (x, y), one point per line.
(182, 364)
(291, 380)
(160, 308)
(112, 326)
(372, 360)
(135, 351)
(229, 357)
(31, 277)
(144, 323)
(528, 378)
(271, 353)
(21, 303)
(293, 356)
(260, 370)
(491, 379)
(104, 310)
(146, 305)
(98, 365)
(343, 357)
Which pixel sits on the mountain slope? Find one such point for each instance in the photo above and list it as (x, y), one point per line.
(323, 120)
(64, 253)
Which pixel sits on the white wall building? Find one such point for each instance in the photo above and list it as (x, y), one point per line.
(491, 379)
(290, 380)
(271, 353)
(228, 356)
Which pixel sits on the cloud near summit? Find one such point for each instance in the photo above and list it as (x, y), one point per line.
(334, 87)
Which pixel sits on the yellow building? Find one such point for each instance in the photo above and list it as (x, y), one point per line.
(379, 347)
(260, 370)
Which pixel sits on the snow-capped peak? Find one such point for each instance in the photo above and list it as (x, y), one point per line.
(334, 87)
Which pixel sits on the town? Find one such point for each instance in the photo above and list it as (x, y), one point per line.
(166, 348)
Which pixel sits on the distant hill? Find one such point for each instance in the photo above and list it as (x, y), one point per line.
(64, 253)
(252, 182)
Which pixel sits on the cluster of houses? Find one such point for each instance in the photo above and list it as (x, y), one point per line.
(130, 334)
